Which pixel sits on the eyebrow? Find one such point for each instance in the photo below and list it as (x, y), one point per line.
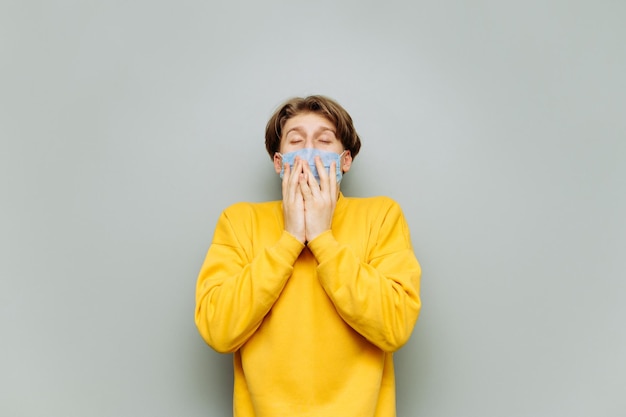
(299, 129)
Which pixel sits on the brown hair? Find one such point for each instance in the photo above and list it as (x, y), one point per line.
(321, 105)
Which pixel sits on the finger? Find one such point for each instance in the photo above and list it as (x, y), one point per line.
(294, 175)
(290, 184)
(305, 180)
(332, 180)
(286, 172)
(311, 180)
(305, 187)
(322, 173)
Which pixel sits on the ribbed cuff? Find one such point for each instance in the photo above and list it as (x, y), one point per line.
(288, 248)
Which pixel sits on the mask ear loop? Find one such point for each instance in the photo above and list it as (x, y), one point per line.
(339, 166)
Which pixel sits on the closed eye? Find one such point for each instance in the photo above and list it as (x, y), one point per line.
(326, 139)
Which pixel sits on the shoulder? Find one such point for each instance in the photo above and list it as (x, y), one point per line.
(373, 210)
(380, 216)
(386, 218)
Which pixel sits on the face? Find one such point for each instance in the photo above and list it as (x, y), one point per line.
(311, 130)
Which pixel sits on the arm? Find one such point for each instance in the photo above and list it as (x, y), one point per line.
(234, 291)
(378, 297)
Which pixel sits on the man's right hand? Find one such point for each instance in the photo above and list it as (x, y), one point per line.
(293, 202)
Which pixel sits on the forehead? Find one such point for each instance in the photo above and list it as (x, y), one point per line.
(308, 122)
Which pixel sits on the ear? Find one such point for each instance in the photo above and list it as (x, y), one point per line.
(278, 163)
(346, 161)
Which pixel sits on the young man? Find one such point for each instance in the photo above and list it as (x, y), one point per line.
(312, 293)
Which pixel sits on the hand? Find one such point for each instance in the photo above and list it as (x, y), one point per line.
(319, 199)
(293, 202)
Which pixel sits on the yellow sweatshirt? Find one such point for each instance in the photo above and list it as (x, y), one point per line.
(312, 327)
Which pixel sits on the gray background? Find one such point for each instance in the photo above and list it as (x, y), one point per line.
(127, 126)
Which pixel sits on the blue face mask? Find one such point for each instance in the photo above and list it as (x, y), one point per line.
(309, 154)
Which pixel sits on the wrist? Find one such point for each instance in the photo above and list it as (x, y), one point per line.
(298, 236)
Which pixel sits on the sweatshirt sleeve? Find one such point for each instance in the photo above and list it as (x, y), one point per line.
(235, 290)
(379, 296)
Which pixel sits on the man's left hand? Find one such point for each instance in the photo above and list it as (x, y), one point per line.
(319, 199)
